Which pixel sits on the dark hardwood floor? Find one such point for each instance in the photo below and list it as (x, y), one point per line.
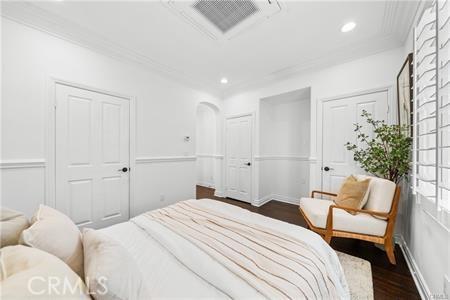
(389, 282)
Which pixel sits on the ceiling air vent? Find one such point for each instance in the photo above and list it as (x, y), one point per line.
(223, 19)
(225, 14)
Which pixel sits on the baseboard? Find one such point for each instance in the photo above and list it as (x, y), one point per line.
(206, 185)
(262, 201)
(280, 198)
(420, 282)
(220, 194)
(286, 199)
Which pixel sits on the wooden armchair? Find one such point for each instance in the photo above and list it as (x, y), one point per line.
(374, 223)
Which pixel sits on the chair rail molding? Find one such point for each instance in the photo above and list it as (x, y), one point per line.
(281, 157)
(22, 163)
(163, 159)
(207, 155)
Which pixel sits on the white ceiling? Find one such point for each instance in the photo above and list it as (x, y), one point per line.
(304, 35)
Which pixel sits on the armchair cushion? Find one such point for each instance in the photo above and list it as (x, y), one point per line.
(381, 194)
(316, 210)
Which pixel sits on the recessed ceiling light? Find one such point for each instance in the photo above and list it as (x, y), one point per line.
(224, 80)
(348, 27)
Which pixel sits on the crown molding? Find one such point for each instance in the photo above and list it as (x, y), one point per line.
(342, 55)
(399, 17)
(32, 16)
(397, 20)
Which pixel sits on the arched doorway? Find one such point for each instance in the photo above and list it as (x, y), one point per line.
(209, 147)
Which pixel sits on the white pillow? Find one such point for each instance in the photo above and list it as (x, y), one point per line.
(381, 194)
(32, 273)
(12, 223)
(56, 234)
(110, 271)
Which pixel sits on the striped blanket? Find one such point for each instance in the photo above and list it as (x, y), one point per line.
(276, 264)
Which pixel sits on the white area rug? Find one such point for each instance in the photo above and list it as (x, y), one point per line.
(359, 276)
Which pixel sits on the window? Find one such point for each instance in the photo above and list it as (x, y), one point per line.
(431, 119)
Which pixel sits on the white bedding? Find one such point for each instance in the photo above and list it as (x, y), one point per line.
(187, 272)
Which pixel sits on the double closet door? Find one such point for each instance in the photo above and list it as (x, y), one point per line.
(92, 156)
(339, 117)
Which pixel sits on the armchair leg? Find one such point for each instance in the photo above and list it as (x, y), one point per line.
(390, 247)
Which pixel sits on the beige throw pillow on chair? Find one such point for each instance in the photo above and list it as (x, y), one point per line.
(353, 193)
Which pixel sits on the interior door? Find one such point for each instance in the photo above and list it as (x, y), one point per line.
(92, 156)
(339, 117)
(239, 158)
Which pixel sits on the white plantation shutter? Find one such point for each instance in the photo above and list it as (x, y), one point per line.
(425, 104)
(431, 121)
(443, 106)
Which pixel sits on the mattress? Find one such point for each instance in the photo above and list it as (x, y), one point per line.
(169, 277)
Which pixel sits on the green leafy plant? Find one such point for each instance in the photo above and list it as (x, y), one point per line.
(385, 155)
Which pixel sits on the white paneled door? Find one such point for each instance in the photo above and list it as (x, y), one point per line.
(339, 117)
(92, 156)
(239, 158)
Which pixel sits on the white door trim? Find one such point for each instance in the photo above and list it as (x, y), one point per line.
(252, 173)
(386, 88)
(50, 151)
(391, 114)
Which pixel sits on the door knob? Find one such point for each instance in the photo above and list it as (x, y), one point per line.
(248, 164)
(326, 169)
(124, 169)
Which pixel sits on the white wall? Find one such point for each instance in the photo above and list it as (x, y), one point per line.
(283, 148)
(375, 71)
(206, 141)
(165, 113)
(285, 131)
(427, 242)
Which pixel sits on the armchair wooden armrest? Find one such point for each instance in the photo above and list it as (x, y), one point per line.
(365, 211)
(323, 193)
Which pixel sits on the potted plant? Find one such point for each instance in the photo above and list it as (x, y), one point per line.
(387, 153)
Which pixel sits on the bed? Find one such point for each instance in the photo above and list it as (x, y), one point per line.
(176, 264)
(189, 250)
